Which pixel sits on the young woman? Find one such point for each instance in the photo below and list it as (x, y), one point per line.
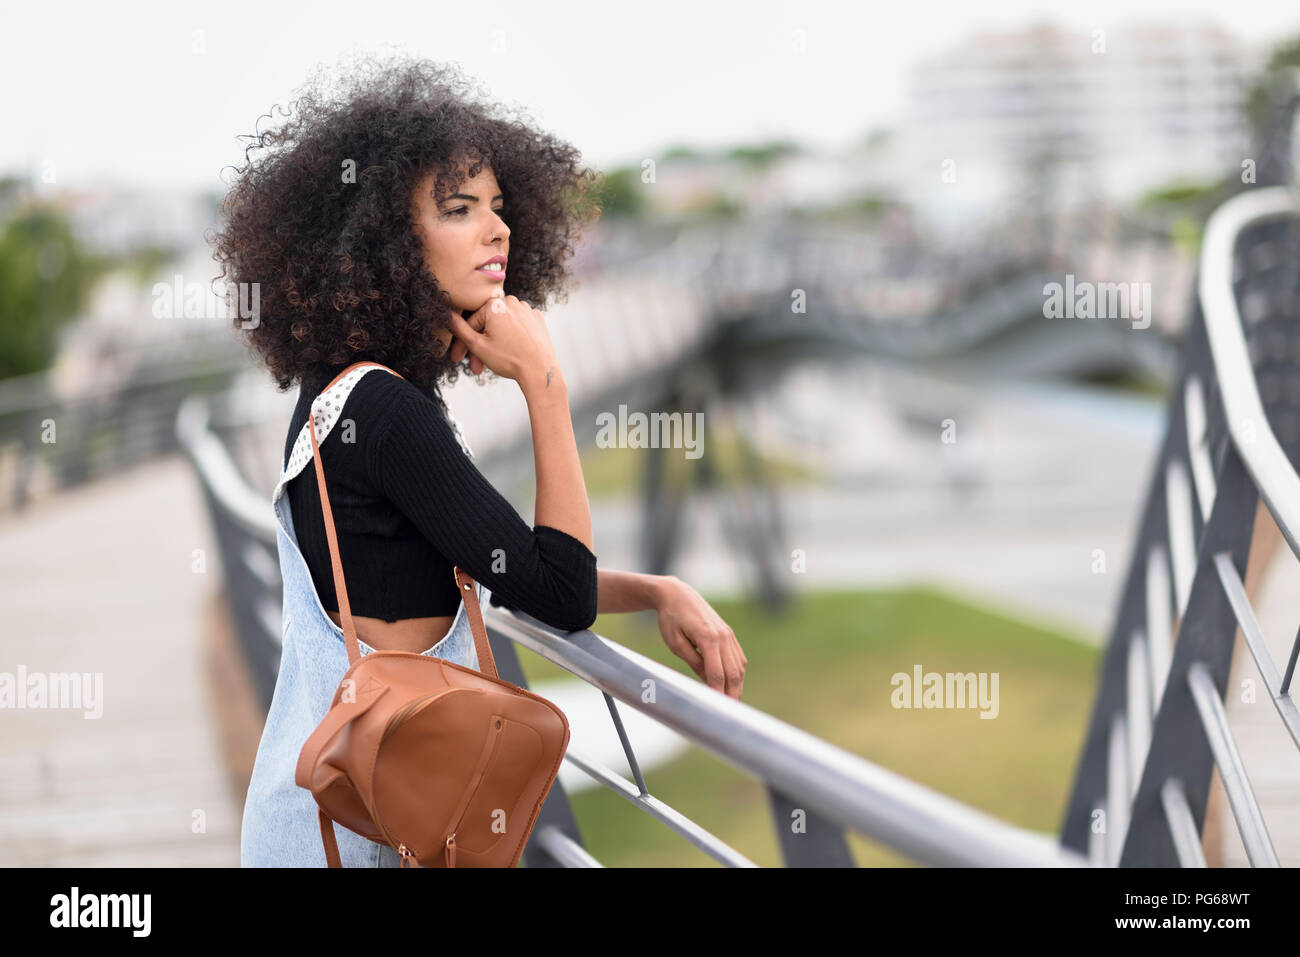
(399, 219)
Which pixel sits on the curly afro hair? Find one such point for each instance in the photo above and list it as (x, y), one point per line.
(341, 274)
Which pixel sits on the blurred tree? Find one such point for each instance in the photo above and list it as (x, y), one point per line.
(1271, 105)
(1284, 56)
(146, 262)
(1181, 191)
(717, 206)
(761, 155)
(622, 192)
(44, 278)
(681, 152)
(877, 136)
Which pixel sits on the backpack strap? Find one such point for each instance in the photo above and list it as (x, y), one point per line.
(327, 407)
(331, 843)
(469, 594)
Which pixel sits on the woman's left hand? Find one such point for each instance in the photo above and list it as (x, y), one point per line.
(696, 633)
(459, 349)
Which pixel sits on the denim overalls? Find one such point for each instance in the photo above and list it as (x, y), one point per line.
(280, 826)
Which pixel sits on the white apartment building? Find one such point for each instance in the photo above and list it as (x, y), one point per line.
(1116, 109)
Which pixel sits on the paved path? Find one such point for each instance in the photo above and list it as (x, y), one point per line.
(99, 580)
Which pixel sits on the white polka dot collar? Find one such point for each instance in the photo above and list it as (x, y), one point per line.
(325, 410)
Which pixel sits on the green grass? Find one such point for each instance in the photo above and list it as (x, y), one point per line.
(826, 667)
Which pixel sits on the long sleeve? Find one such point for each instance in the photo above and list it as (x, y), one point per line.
(420, 466)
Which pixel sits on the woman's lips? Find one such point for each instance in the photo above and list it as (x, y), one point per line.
(497, 274)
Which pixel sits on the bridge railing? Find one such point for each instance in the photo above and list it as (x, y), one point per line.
(816, 790)
(1159, 726)
(53, 438)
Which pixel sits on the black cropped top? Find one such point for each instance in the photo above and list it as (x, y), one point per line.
(408, 502)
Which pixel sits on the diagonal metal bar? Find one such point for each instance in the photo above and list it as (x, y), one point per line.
(1138, 710)
(707, 842)
(563, 849)
(1250, 630)
(627, 745)
(1098, 840)
(1250, 820)
(1160, 626)
(1117, 791)
(1182, 826)
(1197, 453)
(1290, 665)
(1182, 534)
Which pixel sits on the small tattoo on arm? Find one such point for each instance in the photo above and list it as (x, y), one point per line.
(548, 376)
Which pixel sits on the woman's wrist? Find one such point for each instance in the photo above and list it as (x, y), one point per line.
(659, 586)
(561, 490)
(544, 383)
(619, 591)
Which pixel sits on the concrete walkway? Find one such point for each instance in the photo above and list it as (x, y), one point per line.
(110, 580)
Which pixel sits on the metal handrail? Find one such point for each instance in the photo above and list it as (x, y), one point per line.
(102, 427)
(1272, 472)
(920, 823)
(221, 475)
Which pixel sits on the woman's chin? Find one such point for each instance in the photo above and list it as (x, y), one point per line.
(468, 311)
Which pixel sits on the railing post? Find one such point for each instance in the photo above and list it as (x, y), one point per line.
(1088, 792)
(807, 839)
(1179, 748)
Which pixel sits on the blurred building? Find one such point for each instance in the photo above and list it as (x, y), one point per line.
(1078, 114)
(120, 220)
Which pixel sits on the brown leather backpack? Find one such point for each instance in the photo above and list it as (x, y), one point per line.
(445, 764)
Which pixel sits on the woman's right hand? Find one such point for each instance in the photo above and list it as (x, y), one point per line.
(696, 633)
(513, 341)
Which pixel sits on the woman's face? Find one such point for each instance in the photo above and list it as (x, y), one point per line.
(461, 236)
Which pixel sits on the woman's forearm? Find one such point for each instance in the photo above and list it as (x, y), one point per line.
(561, 490)
(618, 591)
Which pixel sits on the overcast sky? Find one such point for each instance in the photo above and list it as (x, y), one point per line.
(114, 92)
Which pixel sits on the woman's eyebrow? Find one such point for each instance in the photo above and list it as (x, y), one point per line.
(469, 197)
